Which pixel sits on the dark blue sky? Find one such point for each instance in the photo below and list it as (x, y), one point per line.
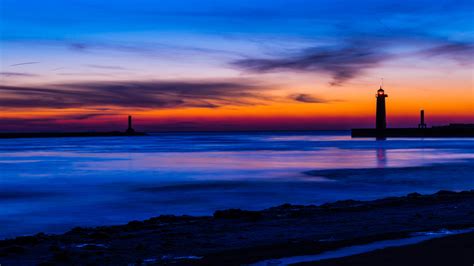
(323, 18)
(265, 52)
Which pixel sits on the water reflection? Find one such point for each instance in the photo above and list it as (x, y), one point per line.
(85, 182)
(381, 157)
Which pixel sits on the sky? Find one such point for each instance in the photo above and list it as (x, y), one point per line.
(190, 65)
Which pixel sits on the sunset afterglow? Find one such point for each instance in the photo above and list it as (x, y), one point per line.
(219, 65)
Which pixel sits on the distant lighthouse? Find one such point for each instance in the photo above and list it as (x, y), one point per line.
(381, 119)
(130, 129)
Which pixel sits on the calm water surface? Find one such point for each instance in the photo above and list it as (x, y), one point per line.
(51, 185)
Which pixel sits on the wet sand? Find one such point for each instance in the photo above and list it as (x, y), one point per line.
(449, 250)
(235, 237)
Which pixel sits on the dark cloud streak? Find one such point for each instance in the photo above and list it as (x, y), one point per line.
(352, 58)
(24, 63)
(458, 51)
(341, 62)
(16, 74)
(134, 94)
(307, 98)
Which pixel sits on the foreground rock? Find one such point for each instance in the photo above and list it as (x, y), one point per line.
(234, 237)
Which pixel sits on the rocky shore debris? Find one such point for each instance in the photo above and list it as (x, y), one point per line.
(235, 236)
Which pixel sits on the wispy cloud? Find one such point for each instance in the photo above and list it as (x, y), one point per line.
(461, 52)
(16, 74)
(82, 116)
(24, 63)
(55, 118)
(146, 48)
(342, 62)
(106, 67)
(350, 59)
(307, 98)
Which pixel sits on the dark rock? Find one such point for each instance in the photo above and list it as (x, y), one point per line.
(99, 235)
(341, 204)
(54, 248)
(285, 206)
(300, 213)
(236, 214)
(140, 246)
(93, 247)
(41, 235)
(79, 231)
(135, 225)
(46, 263)
(63, 256)
(167, 219)
(14, 249)
(27, 240)
(414, 195)
(446, 193)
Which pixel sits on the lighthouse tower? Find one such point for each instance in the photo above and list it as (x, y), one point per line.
(381, 119)
(130, 129)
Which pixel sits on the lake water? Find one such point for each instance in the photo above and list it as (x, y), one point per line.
(52, 185)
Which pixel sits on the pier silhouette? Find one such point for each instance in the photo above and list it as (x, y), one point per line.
(422, 123)
(381, 131)
(129, 132)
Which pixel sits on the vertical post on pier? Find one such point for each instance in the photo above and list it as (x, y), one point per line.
(381, 117)
(130, 129)
(422, 119)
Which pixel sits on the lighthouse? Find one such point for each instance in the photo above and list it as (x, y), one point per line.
(130, 129)
(422, 123)
(381, 119)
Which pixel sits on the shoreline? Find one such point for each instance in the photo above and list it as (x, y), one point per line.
(234, 236)
(360, 249)
(448, 250)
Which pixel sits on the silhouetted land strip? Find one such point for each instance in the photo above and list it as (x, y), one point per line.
(234, 236)
(68, 134)
(453, 130)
